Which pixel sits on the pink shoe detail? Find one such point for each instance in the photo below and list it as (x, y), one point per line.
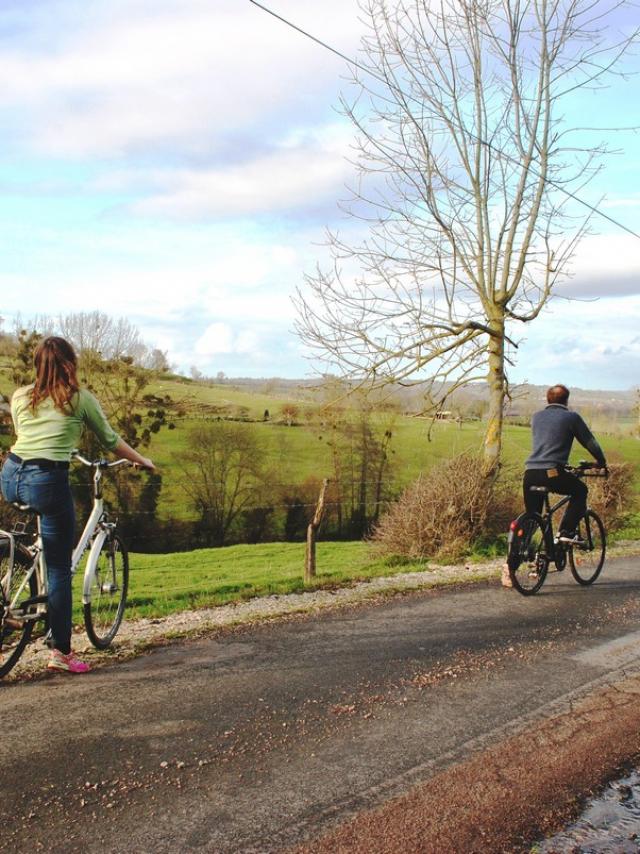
(69, 663)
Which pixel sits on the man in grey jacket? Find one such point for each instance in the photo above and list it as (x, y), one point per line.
(554, 429)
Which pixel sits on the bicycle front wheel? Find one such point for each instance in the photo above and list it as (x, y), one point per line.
(586, 558)
(527, 559)
(15, 631)
(108, 592)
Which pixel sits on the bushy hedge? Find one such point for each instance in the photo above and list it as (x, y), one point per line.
(614, 498)
(452, 508)
(447, 510)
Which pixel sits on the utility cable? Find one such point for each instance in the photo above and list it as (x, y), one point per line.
(355, 64)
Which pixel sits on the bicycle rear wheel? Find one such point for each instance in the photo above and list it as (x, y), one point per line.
(527, 557)
(109, 585)
(14, 632)
(587, 558)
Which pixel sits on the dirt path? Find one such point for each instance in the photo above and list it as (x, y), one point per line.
(503, 798)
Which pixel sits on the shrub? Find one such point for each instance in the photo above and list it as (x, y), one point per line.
(446, 511)
(614, 498)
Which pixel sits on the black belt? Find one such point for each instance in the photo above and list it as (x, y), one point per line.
(45, 465)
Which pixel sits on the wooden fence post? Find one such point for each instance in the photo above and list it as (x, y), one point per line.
(312, 530)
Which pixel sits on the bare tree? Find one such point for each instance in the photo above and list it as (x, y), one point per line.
(224, 475)
(468, 175)
(157, 360)
(97, 333)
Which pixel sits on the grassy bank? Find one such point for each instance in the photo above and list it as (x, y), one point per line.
(296, 453)
(164, 584)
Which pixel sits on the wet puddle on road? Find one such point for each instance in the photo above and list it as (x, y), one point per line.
(609, 824)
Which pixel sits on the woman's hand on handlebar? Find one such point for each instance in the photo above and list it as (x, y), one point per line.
(126, 452)
(145, 463)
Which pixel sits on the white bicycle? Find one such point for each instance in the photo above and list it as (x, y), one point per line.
(23, 576)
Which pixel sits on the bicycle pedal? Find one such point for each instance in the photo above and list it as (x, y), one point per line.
(570, 541)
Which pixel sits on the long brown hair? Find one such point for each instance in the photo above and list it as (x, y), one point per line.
(56, 366)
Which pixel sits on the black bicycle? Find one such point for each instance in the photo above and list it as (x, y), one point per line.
(533, 545)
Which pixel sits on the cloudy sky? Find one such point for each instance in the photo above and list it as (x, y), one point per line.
(177, 161)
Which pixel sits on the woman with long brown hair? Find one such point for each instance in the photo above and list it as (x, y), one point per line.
(49, 417)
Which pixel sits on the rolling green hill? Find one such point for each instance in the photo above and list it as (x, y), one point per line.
(302, 451)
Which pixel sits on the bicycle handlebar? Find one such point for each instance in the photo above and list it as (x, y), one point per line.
(586, 468)
(103, 464)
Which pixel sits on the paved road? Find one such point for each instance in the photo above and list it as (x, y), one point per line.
(263, 737)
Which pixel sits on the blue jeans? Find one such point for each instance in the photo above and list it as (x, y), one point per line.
(48, 492)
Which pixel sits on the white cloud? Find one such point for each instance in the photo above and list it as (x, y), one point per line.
(217, 338)
(285, 180)
(618, 201)
(169, 294)
(142, 74)
(248, 342)
(590, 344)
(241, 339)
(605, 265)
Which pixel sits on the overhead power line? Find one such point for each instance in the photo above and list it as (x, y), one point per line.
(355, 64)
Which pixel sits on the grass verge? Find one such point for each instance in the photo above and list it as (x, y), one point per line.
(164, 584)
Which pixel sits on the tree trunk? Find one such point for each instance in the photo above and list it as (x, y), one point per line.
(312, 530)
(496, 379)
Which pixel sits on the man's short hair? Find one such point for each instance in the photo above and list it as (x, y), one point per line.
(558, 394)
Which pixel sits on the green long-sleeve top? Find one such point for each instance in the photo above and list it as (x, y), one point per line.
(50, 434)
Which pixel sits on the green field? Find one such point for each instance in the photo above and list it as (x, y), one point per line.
(164, 584)
(298, 452)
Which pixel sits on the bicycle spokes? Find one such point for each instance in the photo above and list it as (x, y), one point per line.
(586, 557)
(108, 592)
(17, 613)
(528, 559)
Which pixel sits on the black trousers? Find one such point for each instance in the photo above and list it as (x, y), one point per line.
(561, 482)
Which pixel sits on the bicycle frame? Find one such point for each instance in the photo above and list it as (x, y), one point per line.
(95, 532)
(547, 518)
(96, 528)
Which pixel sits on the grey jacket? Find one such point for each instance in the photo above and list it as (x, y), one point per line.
(554, 429)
